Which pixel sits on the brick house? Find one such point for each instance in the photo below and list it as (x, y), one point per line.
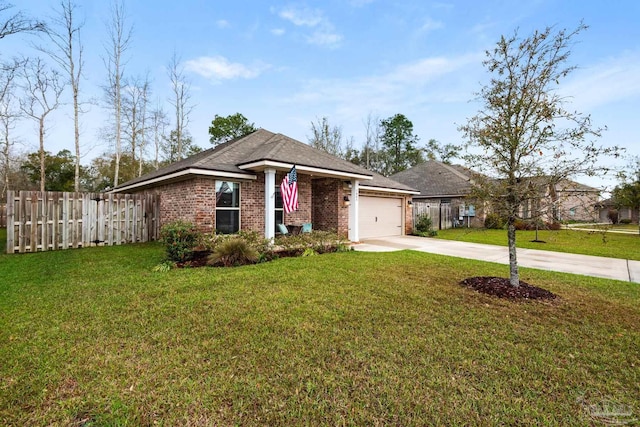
(444, 191)
(236, 186)
(449, 187)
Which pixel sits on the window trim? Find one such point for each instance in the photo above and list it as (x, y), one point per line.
(226, 208)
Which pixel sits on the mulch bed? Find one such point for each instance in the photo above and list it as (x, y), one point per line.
(501, 288)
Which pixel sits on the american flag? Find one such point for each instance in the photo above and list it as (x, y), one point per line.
(289, 191)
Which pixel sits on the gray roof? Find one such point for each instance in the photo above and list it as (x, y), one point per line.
(436, 179)
(234, 157)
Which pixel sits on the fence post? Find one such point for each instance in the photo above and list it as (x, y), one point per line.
(11, 240)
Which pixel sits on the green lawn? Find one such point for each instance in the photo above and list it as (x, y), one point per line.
(615, 245)
(632, 228)
(3, 240)
(95, 337)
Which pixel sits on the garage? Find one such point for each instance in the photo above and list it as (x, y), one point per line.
(379, 217)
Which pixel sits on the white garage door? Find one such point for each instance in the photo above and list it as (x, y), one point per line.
(379, 217)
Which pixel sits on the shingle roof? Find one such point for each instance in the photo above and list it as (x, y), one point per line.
(433, 179)
(234, 157)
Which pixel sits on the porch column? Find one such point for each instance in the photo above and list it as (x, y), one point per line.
(269, 203)
(354, 209)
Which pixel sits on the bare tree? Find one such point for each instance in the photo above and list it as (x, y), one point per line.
(42, 96)
(371, 149)
(134, 109)
(159, 122)
(67, 52)
(180, 101)
(17, 22)
(119, 41)
(9, 115)
(523, 129)
(326, 137)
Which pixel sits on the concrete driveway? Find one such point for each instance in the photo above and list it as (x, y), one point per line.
(608, 268)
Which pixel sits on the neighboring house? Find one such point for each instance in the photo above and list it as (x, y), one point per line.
(605, 207)
(566, 200)
(236, 186)
(443, 191)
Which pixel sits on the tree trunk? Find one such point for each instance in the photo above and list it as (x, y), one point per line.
(42, 165)
(514, 277)
(76, 120)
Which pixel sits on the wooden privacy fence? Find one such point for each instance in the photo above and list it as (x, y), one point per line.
(51, 220)
(3, 215)
(440, 214)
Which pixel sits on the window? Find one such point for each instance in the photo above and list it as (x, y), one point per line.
(227, 207)
(279, 217)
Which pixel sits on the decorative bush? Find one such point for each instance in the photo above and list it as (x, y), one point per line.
(553, 225)
(424, 227)
(612, 214)
(493, 221)
(233, 252)
(252, 238)
(319, 241)
(180, 239)
(424, 224)
(625, 221)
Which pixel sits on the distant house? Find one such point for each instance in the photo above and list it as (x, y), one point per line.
(236, 186)
(444, 191)
(610, 207)
(445, 195)
(563, 200)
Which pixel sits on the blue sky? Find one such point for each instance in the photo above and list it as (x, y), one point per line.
(284, 64)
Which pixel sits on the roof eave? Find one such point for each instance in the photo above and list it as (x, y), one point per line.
(311, 170)
(182, 174)
(388, 189)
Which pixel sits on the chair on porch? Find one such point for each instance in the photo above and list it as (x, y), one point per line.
(283, 229)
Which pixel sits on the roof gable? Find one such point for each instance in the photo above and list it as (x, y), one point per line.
(244, 156)
(436, 179)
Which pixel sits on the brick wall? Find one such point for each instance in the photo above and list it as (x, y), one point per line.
(329, 212)
(252, 205)
(305, 201)
(191, 200)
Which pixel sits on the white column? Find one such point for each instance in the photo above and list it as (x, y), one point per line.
(354, 209)
(269, 203)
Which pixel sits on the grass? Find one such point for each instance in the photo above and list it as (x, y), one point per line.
(629, 228)
(3, 240)
(95, 337)
(614, 245)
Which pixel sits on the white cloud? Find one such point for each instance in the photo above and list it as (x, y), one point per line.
(610, 81)
(220, 68)
(278, 31)
(431, 25)
(405, 85)
(323, 34)
(223, 23)
(302, 16)
(322, 38)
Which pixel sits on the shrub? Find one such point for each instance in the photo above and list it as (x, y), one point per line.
(612, 214)
(519, 224)
(233, 252)
(424, 227)
(261, 245)
(319, 241)
(180, 239)
(424, 224)
(493, 221)
(625, 221)
(553, 225)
